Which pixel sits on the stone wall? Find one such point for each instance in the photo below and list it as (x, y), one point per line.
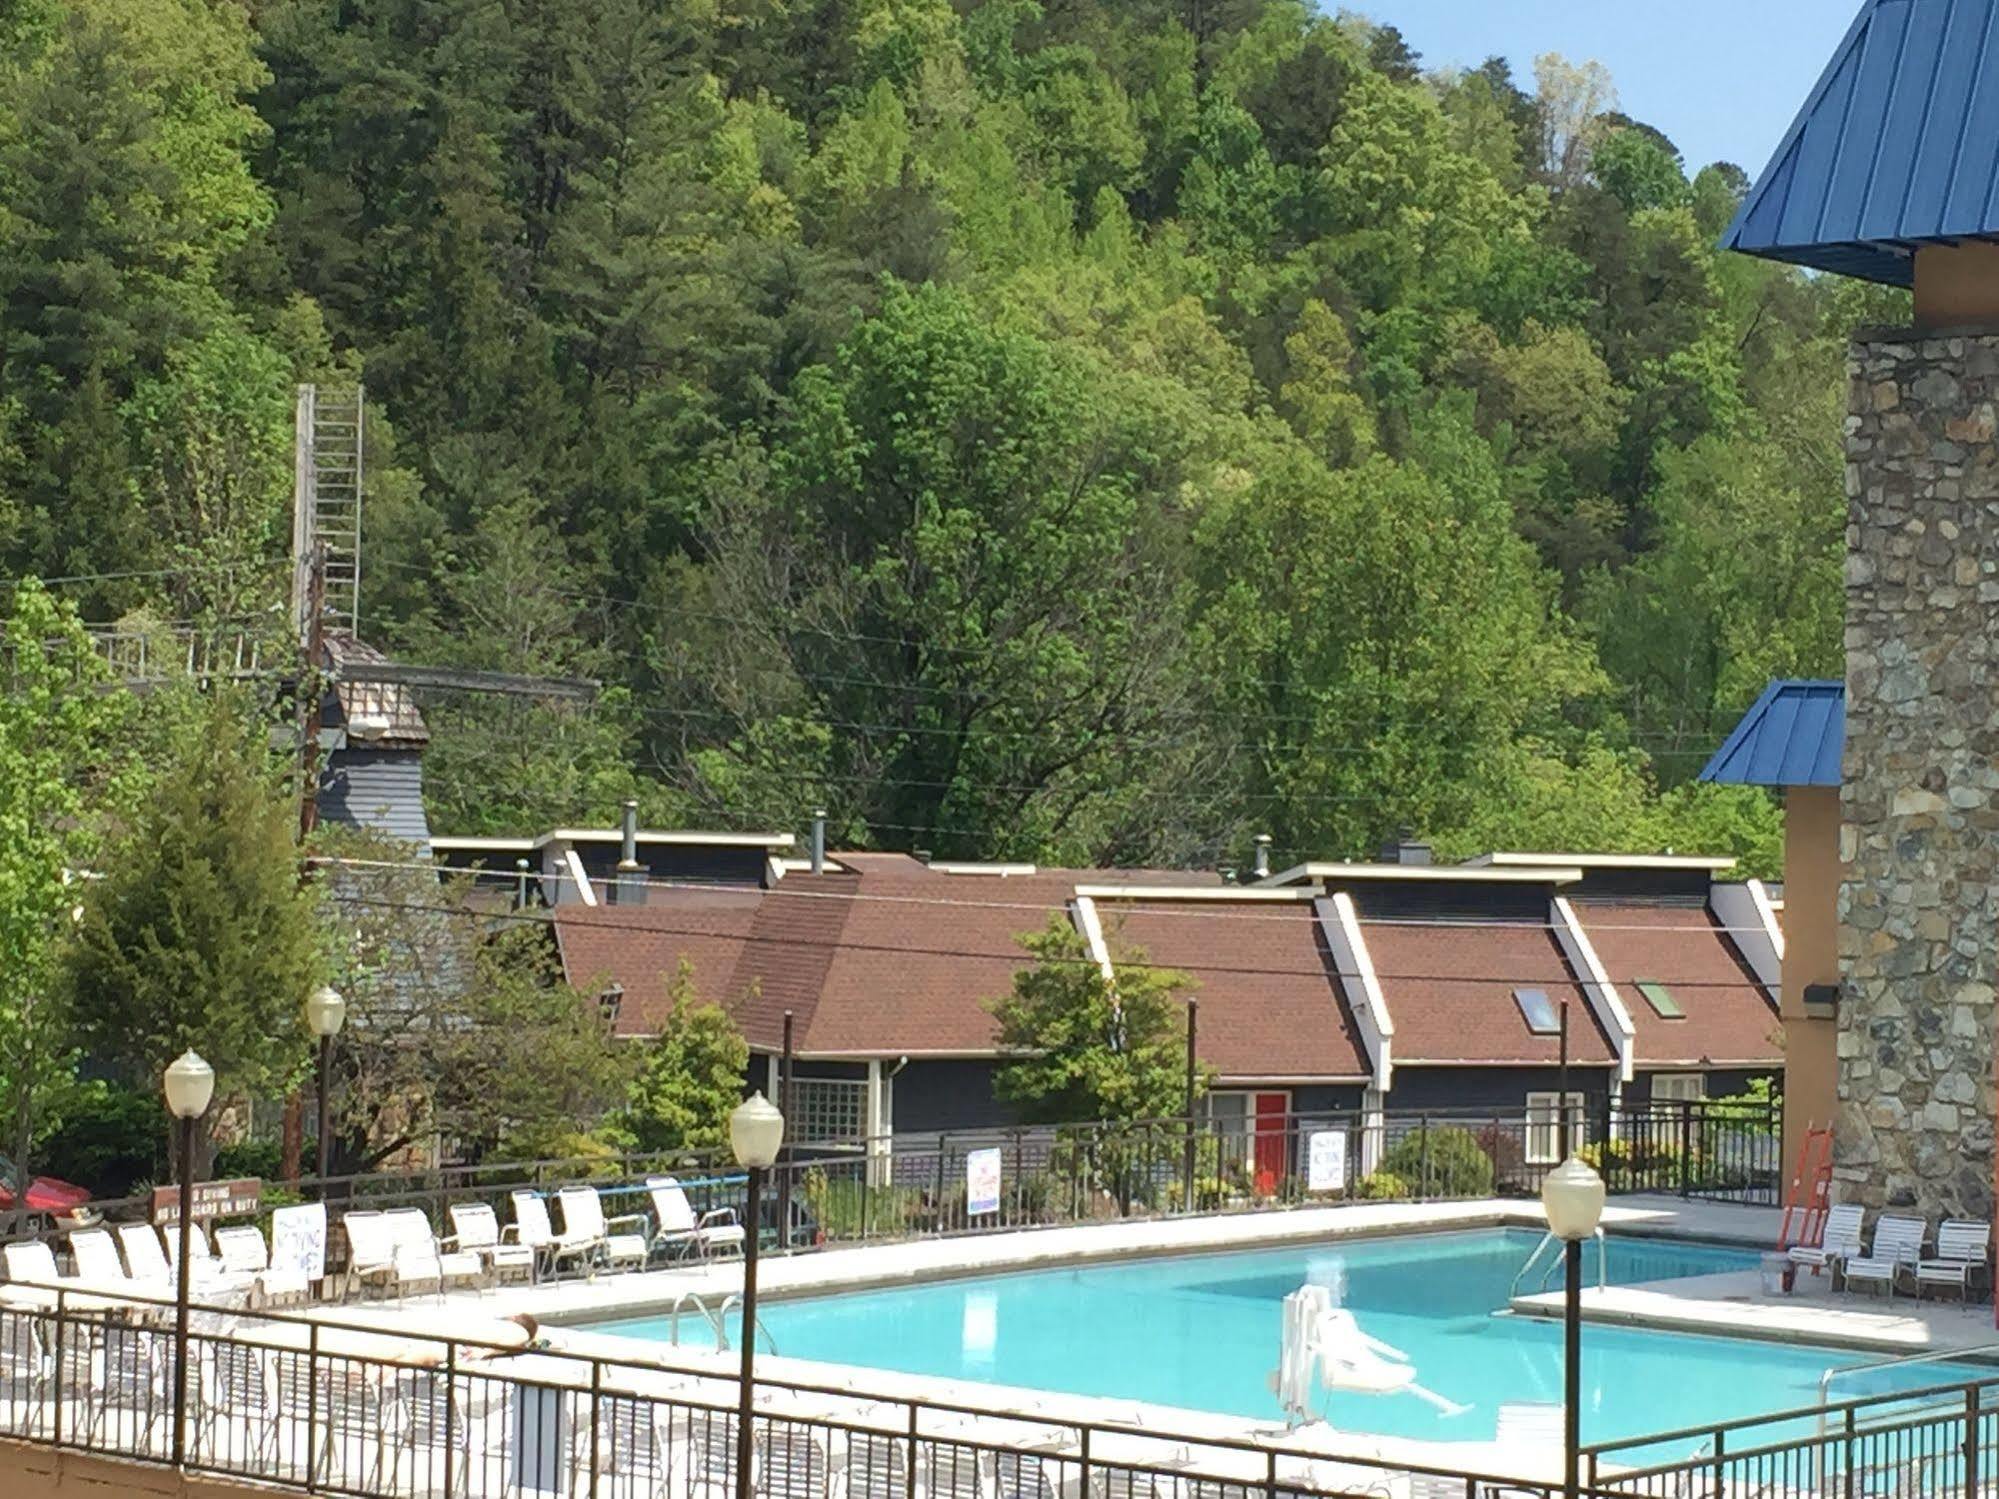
(1921, 795)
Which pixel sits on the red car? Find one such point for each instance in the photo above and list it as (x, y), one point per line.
(46, 1194)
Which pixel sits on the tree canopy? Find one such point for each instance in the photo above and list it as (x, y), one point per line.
(1076, 431)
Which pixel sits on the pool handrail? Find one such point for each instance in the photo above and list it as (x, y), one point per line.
(1930, 1356)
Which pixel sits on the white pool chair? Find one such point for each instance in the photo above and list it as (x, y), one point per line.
(1839, 1241)
(532, 1227)
(419, 1262)
(628, 1452)
(371, 1249)
(676, 1229)
(236, 1405)
(1898, 1246)
(95, 1255)
(874, 1465)
(208, 1275)
(476, 1230)
(705, 1441)
(792, 1462)
(1962, 1248)
(32, 1277)
(583, 1218)
(246, 1259)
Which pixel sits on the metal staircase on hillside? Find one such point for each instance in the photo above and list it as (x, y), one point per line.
(326, 513)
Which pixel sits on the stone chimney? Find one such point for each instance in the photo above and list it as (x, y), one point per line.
(1920, 803)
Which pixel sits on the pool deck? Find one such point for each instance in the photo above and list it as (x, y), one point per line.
(1736, 1304)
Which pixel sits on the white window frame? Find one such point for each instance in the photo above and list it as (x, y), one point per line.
(1544, 1126)
(1681, 1087)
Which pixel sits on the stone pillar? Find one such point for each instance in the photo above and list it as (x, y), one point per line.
(1921, 798)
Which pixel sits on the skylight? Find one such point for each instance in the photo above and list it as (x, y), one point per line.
(1660, 998)
(1538, 1011)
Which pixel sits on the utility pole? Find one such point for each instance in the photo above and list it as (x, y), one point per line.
(312, 688)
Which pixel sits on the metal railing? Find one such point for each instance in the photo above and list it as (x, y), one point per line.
(1937, 1441)
(917, 1186)
(342, 1408)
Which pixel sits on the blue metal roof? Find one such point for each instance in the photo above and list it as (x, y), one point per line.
(1793, 736)
(1897, 146)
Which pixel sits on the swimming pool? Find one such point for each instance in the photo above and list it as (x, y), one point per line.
(1202, 1331)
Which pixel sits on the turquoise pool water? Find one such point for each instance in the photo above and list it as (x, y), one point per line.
(1202, 1331)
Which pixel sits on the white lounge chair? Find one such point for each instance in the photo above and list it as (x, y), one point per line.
(1839, 1241)
(32, 1277)
(476, 1230)
(418, 1260)
(1898, 1246)
(677, 1230)
(1962, 1247)
(246, 1257)
(371, 1249)
(152, 1267)
(207, 1274)
(583, 1218)
(532, 1227)
(95, 1255)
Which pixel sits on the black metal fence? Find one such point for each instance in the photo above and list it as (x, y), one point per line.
(1940, 1442)
(915, 1186)
(335, 1408)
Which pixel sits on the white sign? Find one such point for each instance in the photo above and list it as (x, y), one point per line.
(982, 1181)
(1326, 1160)
(298, 1239)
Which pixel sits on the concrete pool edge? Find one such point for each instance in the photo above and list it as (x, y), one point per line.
(1735, 1306)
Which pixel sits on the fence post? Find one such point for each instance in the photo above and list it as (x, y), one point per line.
(1686, 1144)
(909, 1472)
(1083, 1486)
(312, 1408)
(597, 1415)
(1720, 1464)
(1971, 1418)
(62, 1350)
(1423, 1158)
(450, 1412)
(1848, 1479)
(937, 1197)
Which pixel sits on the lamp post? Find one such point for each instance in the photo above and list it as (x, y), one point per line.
(325, 1012)
(1572, 1195)
(190, 1083)
(756, 1130)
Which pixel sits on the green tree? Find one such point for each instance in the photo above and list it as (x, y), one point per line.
(66, 770)
(1084, 1046)
(690, 1076)
(199, 935)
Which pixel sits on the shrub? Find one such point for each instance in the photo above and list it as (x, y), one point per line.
(1441, 1162)
(1384, 1186)
(111, 1139)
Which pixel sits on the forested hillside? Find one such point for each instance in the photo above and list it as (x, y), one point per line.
(1094, 430)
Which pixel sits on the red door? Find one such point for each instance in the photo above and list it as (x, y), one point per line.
(1273, 1142)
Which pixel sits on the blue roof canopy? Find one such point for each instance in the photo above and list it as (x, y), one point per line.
(1897, 146)
(1792, 736)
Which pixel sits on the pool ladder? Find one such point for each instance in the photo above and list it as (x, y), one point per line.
(717, 1318)
(1547, 1240)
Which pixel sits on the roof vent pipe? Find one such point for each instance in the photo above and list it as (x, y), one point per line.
(818, 840)
(1263, 856)
(520, 884)
(631, 890)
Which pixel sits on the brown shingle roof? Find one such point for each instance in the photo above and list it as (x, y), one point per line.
(1449, 987)
(1270, 1001)
(641, 948)
(1729, 1018)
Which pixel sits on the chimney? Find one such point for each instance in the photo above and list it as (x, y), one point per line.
(1404, 849)
(818, 840)
(1262, 856)
(631, 889)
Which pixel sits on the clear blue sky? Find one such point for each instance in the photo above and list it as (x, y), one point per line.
(1723, 78)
